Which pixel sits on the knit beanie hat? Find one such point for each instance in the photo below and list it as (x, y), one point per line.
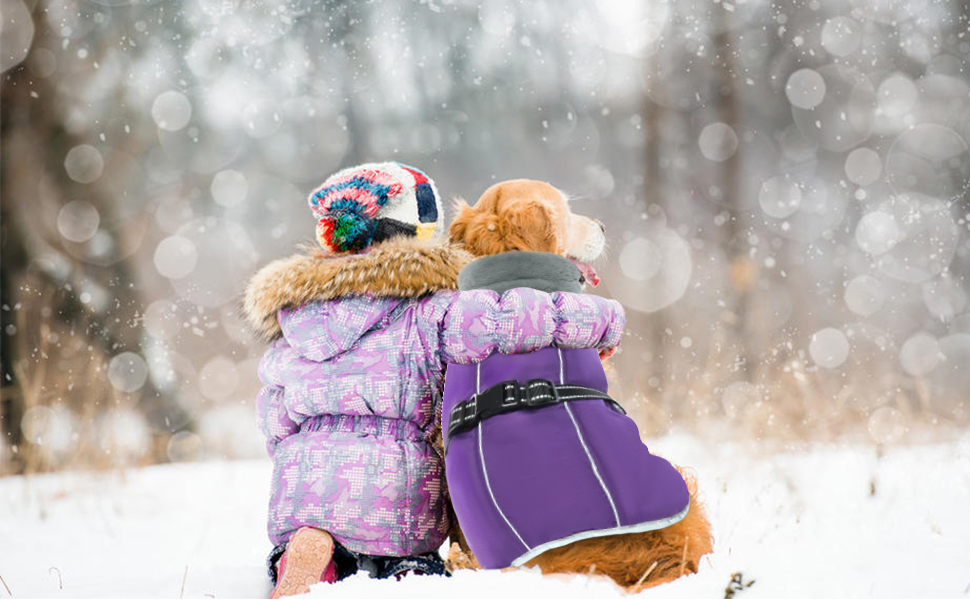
(370, 203)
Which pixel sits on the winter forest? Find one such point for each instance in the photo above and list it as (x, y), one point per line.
(785, 187)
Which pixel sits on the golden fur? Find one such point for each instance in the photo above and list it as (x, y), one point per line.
(532, 215)
(638, 561)
(399, 267)
(525, 215)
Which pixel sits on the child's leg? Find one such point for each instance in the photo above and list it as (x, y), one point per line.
(429, 563)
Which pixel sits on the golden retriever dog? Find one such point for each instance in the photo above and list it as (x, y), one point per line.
(532, 215)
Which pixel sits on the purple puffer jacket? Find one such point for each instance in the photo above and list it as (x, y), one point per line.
(527, 481)
(352, 400)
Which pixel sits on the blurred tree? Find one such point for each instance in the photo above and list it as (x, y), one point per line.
(742, 270)
(188, 134)
(97, 301)
(655, 323)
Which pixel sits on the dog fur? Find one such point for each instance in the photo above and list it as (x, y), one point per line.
(522, 214)
(532, 215)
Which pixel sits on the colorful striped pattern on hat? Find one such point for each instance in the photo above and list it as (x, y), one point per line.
(363, 205)
(347, 205)
(368, 187)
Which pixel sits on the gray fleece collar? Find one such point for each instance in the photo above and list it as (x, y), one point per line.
(537, 270)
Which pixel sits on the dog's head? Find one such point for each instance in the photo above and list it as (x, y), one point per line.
(522, 214)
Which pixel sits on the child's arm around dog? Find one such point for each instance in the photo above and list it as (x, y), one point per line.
(474, 324)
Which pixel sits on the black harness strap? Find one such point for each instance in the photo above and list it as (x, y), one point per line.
(510, 396)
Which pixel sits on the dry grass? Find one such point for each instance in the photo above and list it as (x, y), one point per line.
(787, 400)
(60, 375)
(781, 400)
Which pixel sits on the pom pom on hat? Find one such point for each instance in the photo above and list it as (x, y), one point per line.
(346, 229)
(362, 205)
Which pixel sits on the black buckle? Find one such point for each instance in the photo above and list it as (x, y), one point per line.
(540, 392)
(471, 409)
(511, 394)
(454, 421)
(463, 411)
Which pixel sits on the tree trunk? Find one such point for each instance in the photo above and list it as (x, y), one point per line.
(33, 187)
(743, 271)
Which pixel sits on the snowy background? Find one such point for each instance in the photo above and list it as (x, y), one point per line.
(785, 185)
(816, 521)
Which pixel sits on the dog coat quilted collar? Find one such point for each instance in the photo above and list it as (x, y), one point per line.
(528, 481)
(541, 271)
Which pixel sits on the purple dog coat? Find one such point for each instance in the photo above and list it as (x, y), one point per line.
(534, 479)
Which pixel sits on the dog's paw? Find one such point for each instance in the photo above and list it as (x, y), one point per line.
(459, 559)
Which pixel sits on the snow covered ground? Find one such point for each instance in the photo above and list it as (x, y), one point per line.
(824, 521)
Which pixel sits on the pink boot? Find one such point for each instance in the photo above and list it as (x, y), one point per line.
(307, 560)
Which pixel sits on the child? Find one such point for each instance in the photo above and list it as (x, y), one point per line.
(362, 332)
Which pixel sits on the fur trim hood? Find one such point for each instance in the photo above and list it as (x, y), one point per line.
(400, 267)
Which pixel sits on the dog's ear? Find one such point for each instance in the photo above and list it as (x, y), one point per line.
(458, 227)
(529, 225)
(478, 230)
